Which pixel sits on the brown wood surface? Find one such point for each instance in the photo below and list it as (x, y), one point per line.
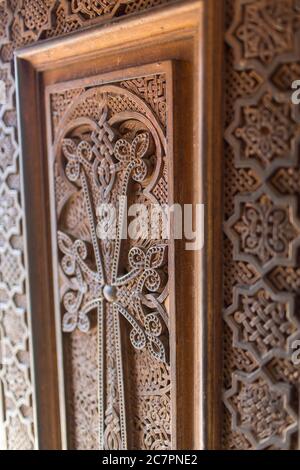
(189, 35)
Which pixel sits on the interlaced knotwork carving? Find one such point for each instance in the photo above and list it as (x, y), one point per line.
(283, 370)
(287, 180)
(261, 323)
(103, 154)
(153, 91)
(260, 409)
(285, 74)
(261, 225)
(286, 279)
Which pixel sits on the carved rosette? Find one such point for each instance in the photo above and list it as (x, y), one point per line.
(110, 150)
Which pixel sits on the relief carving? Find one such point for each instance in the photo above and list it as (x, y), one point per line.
(261, 51)
(24, 22)
(109, 145)
(261, 281)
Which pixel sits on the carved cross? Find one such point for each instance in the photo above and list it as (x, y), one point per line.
(101, 161)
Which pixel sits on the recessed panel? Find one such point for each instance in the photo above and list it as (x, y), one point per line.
(108, 158)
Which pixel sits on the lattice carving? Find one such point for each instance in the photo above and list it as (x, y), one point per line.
(237, 181)
(263, 29)
(261, 278)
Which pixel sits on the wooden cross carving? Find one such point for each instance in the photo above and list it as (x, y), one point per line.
(100, 159)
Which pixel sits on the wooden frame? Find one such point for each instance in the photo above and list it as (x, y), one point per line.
(189, 34)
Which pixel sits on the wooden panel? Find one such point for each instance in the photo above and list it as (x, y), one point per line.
(95, 96)
(261, 175)
(261, 259)
(118, 131)
(26, 22)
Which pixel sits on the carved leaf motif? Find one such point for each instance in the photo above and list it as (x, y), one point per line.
(155, 256)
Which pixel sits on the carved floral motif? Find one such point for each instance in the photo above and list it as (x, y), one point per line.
(264, 28)
(264, 131)
(262, 230)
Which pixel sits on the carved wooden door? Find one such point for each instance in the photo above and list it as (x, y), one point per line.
(141, 343)
(109, 118)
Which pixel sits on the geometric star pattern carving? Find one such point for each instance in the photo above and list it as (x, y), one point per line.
(263, 229)
(262, 135)
(262, 30)
(263, 131)
(262, 322)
